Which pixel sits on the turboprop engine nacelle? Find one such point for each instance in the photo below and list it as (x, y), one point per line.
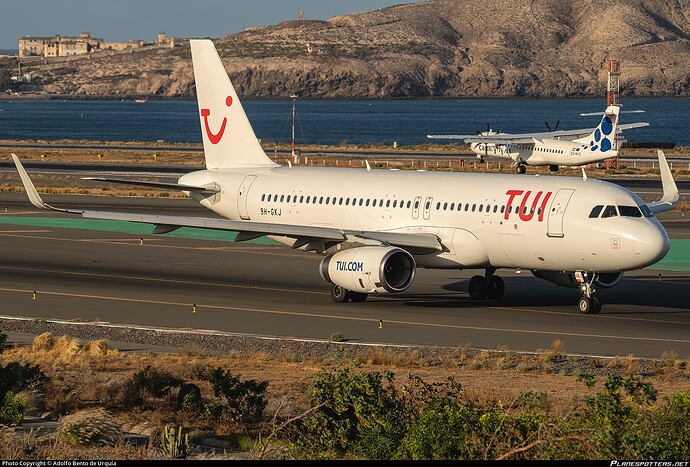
(370, 269)
(567, 279)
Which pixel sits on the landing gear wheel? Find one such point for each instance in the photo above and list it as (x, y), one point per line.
(553, 168)
(596, 306)
(358, 296)
(478, 288)
(339, 294)
(521, 169)
(496, 288)
(586, 305)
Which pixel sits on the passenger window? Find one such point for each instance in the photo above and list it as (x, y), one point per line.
(328, 199)
(308, 197)
(289, 197)
(596, 210)
(388, 203)
(367, 203)
(474, 206)
(282, 198)
(452, 206)
(360, 201)
(381, 203)
(629, 211)
(301, 199)
(503, 209)
(609, 211)
(263, 197)
(395, 203)
(438, 205)
(495, 208)
(481, 206)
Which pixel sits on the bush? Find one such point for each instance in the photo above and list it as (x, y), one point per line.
(156, 383)
(12, 410)
(245, 400)
(16, 377)
(90, 427)
(3, 342)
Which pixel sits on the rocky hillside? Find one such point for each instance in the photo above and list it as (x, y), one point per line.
(443, 48)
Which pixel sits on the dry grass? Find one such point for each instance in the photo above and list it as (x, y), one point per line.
(94, 375)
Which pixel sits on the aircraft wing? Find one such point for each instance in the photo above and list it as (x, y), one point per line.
(529, 138)
(670, 196)
(247, 230)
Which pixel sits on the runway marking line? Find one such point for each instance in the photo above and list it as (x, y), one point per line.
(345, 318)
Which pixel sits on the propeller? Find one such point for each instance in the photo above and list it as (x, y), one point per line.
(554, 128)
(488, 130)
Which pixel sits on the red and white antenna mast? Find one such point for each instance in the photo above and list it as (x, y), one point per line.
(613, 94)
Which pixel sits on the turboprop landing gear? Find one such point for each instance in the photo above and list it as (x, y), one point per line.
(521, 169)
(553, 168)
(489, 286)
(589, 304)
(342, 295)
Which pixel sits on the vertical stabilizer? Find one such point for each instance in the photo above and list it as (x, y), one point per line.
(229, 139)
(603, 136)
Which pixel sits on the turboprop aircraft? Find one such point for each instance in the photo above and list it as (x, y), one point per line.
(375, 228)
(552, 148)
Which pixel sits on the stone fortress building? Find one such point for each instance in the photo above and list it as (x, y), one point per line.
(63, 46)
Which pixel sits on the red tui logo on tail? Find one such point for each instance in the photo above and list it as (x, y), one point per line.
(215, 137)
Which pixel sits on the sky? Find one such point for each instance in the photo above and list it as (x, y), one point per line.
(123, 20)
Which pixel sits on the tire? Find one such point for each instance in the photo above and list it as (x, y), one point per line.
(496, 288)
(585, 305)
(553, 168)
(596, 306)
(358, 297)
(339, 294)
(478, 288)
(521, 169)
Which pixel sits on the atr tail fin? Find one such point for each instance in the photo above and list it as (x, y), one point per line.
(603, 136)
(229, 139)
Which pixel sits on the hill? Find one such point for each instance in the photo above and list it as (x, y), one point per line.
(439, 48)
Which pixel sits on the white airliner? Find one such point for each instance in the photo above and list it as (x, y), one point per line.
(553, 148)
(377, 227)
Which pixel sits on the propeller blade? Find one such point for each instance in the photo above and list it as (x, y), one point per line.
(556, 127)
(547, 125)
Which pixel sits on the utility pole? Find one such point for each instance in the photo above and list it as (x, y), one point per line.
(295, 157)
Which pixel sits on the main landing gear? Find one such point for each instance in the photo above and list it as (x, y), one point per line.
(588, 303)
(521, 169)
(487, 286)
(342, 295)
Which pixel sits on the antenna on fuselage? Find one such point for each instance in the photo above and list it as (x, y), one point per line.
(584, 175)
(368, 166)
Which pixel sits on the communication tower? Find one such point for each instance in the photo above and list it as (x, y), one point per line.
(300, 15)
(295, 154)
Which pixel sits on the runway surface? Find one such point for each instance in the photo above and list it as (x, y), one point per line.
(117, 272)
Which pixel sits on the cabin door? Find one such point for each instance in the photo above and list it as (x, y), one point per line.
(558, 205)
(242, 196)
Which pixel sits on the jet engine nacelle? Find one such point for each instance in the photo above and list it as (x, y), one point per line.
(567, 279)
(370, 269)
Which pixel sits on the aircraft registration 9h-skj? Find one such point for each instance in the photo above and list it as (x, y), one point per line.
(377, 227)
(552, 148)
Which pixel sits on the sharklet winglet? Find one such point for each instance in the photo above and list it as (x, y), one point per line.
(31, 191)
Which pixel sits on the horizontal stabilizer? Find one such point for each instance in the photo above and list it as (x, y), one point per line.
(166, 186)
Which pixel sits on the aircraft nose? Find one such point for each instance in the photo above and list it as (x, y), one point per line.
(650, 243)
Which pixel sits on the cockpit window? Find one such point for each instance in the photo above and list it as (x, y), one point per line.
(629, 211)
(596, 210)
(646, 211)
(610, 211)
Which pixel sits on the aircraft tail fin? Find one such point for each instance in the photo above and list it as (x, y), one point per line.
(229, 140)
(602, 138)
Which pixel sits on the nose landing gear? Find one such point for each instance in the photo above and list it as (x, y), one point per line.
(588, 304)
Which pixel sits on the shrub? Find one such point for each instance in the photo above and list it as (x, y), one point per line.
(3, 342)
(90, 427)
(12, 410)
(245, 400)
(156, 383)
